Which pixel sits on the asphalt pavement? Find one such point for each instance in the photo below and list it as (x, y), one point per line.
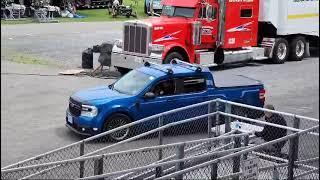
(33, 106)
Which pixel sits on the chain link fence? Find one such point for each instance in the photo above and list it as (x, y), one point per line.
(157, 142)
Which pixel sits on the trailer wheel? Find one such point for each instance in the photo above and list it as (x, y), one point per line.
(122, 70)
(114, 121)
(297, 48)
(280, 51)
(171, 56)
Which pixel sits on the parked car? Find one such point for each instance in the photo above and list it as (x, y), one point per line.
(141, 92)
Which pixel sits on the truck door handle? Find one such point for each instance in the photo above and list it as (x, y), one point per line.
(170, 100)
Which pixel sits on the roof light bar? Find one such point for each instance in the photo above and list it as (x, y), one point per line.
(158, 67)
(186, 65)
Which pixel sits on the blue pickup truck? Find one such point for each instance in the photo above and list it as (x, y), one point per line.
(153, 89)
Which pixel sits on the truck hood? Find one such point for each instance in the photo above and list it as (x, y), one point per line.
(100, 93)
(166, 29)
(164, 20)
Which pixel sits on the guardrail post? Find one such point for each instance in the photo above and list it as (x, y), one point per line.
(98, 166)
(209, 121)
(246, 143)
(236, 160)
(160, 137)
(275, 174)
(180, 155)
(293, 149)
(214, 171)
(228, 119)
(81, 162)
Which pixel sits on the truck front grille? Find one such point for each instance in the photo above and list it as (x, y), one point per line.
(135, 38)
(74, 107)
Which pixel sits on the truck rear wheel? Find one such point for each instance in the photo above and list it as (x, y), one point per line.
(280, 51)
(297, 48)
(171, 56)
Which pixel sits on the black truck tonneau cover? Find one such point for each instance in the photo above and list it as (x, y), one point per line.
(231, 80)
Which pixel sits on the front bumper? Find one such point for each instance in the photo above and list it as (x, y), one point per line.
(77, 131)
(81, 125)
(119, 59)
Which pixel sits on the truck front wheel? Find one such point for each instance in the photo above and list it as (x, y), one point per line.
(297, 48)
(171, 56)
(280, 51)
(114, 121)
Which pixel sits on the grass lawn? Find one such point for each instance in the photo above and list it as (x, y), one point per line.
(92, 15)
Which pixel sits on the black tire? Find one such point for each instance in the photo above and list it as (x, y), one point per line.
(280, 51)
(171, 56)
(114, 121)
(219, 56)
(122, 71)
(297, 48)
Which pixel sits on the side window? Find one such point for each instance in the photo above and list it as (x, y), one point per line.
(246, 13)
(194, 84)
(212, 14)
(202, 12)
(164, 88)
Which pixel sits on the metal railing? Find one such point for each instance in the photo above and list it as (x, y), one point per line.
(93, 156)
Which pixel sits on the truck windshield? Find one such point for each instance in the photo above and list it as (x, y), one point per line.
(173, 11)
(132, 83)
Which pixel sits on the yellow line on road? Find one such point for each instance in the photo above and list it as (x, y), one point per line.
(299, 16)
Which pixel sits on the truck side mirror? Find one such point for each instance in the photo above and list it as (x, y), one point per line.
(149, 95)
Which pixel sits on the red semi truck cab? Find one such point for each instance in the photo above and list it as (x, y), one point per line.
(195, 31)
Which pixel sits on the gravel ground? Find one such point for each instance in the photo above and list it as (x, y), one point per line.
(33, 106)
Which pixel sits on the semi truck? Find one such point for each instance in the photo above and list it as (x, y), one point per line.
(213, 32)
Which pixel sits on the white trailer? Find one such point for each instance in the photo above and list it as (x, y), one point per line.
(287, 27)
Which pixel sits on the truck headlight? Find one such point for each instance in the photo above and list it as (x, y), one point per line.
(90, 111)
(156, 48)
(118, 43)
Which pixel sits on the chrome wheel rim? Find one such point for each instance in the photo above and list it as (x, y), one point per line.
(282, 51)
(121, 134)
(299, 48)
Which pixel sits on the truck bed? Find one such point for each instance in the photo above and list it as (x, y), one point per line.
(230, 80)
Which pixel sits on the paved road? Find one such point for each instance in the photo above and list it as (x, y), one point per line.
(33, 107)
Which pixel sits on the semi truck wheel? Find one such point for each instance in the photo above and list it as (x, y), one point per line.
(171, 56)
(115, 121)
(280, 51)
(297, 48)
